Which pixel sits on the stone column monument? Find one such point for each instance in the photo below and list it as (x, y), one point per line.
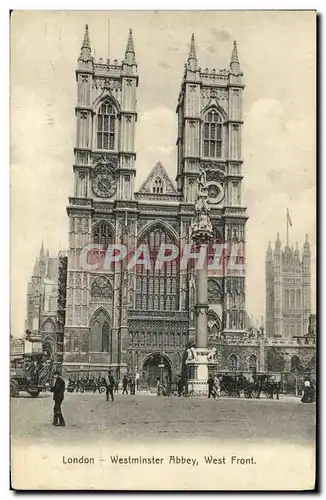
(201, 235)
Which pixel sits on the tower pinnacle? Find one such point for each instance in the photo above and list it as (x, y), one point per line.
(192, 58)
(36, 270)
(42, 251)
(234, 64)
(130, 44)
(85, 53)
(130, 49)
(86, 42)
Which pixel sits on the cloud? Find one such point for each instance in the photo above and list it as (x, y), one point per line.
(164, 65)
(220, 35)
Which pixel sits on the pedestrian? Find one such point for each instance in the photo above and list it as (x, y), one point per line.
(125, 385)
(137, 381)
(97, 385)
(306, 398)
(210, 383)
(58, 395)
(109, 386)
(159, 386)
(180, 387)
(217, 386)
(116, 386)
(132, 387)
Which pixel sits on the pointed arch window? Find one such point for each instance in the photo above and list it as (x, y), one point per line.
(156, 287)
(212, 135)
(100, 332)
(233, 363)
(252, 364)
(102, 234)
(106, 126)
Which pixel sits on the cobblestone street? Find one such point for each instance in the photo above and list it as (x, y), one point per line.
(89, 416)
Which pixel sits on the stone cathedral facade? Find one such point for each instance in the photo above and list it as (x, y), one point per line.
(130, 319)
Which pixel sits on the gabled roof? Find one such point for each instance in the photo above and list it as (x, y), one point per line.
(158, 171)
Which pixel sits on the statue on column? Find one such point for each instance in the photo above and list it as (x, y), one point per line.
(202, 229)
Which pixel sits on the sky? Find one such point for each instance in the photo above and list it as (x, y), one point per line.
(277, 56)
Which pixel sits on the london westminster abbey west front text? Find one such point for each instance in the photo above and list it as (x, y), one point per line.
(130, 319)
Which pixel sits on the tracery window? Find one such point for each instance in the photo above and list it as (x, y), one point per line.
(233, 363)
(157, 289)
(101, 288)
(100, 332)
(102, 234)
(212, 135)
(252, 365)
(158, 186)
(106, 126)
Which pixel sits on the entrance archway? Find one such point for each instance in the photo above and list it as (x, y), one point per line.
(156, 366)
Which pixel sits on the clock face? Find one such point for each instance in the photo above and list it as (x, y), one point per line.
(104, 184)
(215, 192)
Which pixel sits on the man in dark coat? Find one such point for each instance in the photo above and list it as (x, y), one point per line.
(109, 386)
(125, 385)
(210, 382)
(180, 386)
(58, 395)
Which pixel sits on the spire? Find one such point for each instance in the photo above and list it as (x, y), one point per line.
(130, 44)
(306, 246)
(234, 64)
(278, 241)
(130, 49)
(36, 270)
(85, 53)
(192, 58)
(42, 251)
(86, 42)
(269, 253)
(192, 50)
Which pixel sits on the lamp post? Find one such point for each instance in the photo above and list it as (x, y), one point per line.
(161, 366)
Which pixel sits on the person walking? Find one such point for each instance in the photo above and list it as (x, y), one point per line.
(97, 385)
(58, 396)
(132, 386)
(109, 386)
(180, 387)
(217, 386)
(210, 383)
(159, 386)
(125, 385)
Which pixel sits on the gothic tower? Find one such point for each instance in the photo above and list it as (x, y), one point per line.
(209, 136)
(306, 285)
(104, 172)
(288, 290)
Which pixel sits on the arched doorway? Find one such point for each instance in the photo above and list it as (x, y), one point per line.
(100, 332)
(156, 366)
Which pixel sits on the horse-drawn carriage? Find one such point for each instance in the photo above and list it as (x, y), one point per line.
(234, 385)
(86, 384)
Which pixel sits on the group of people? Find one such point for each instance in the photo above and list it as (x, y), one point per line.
(111, 387)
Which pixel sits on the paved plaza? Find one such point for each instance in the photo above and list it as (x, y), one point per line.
(88, 416)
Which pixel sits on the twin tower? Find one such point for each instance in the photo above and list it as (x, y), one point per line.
(116, 318)
(110, 127)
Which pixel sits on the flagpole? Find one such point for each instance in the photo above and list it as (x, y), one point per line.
(287, 227)
(108, 38)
